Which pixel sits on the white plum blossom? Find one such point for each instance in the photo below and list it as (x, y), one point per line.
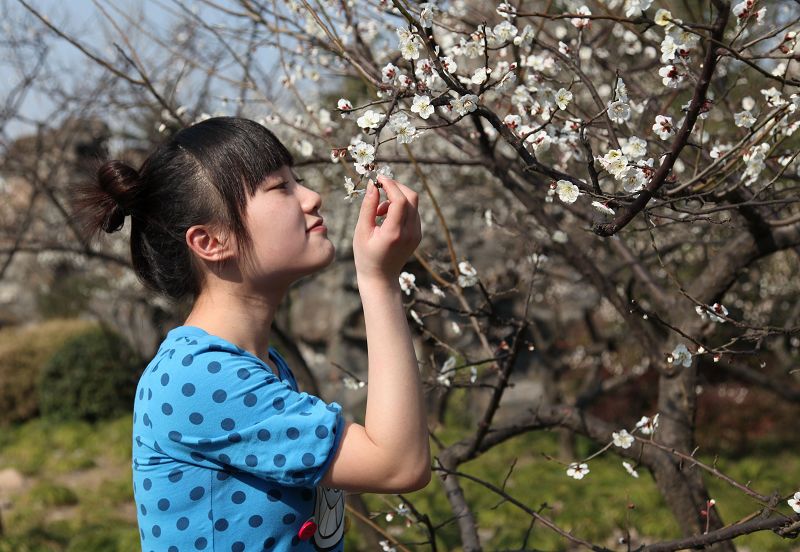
(712, 312)
(581, 22)
(404, 131)
(662, 18)
(480, 76)
(437, 290)
(407, 282)
(647, 425)
(754, 159)
(426, 14)
(370, 119)
(773, 97)
(663, 127)
(468, 276)
(409, 49)
(621, 91)
(636, 7)
(504, 31)
(622, 439)
(744, 119)
(559, 236)
(352, 193)
(512, 121)
(670, 76)
(567, 191)
(415, 316)
(669, 48)
(603, 208)
(362, 152)
(614, 162)
(464, 104)
(344, 105)
(681, 355)
(619, 112)
(525, 37)
(389, 73)
(540, 140)
(634, 148)
(562, 98)
(794, 502)
(422, 106)
(577, 471)
(744, 10)
(630, 469)
(633, 179)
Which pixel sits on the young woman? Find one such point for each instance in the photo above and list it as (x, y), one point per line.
(228, 454)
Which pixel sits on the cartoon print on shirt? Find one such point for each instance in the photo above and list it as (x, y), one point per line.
(329, 516)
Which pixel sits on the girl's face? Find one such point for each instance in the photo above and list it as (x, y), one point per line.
(278, 218)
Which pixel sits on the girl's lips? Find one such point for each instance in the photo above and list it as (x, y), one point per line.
(319, 228)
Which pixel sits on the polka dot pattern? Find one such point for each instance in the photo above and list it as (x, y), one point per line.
(224, 452)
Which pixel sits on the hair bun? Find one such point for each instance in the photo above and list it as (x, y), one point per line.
(119, 182)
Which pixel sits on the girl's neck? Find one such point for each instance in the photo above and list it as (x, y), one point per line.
(244, 320)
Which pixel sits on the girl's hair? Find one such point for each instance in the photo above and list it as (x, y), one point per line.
(204, 174)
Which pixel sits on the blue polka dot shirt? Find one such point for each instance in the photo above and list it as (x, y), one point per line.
(227, 457)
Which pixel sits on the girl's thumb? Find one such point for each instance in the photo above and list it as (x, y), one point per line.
(369, 206)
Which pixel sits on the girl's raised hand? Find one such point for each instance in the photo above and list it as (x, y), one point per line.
(380, 251)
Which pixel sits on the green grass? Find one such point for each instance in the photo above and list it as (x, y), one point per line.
(595, 508)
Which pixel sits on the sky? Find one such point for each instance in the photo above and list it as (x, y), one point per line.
(85, 22)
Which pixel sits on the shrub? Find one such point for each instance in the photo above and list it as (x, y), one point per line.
(93, 376)
(23, 351)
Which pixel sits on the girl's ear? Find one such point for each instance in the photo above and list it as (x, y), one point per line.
(209, 243)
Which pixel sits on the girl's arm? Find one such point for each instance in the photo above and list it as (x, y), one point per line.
(390, 452)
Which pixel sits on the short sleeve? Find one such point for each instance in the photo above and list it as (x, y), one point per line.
(226, 411)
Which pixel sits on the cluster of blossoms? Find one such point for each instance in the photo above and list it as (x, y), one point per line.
(713, 312)
(747, 9)
(617, 162)
(647, 425)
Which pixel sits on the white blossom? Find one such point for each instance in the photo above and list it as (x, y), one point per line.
(567, 191)
(581, 22)
(636, 7)
(663, 127)
(670, 76)
(622, 439)
(619, 112)
(712, 312)
(634, 148)
(422, 106)
(630, 469)
(437, 290)
(681, 355)
(577, 471)
(647, 425)
(370, 119)
(504, 31)
(662, 18)
(351, 189)
(632, 179)
(603, 208)
(480, 76)
(362, 152)
(563, 97)
(468, 276)
(407, 282)
(464, 104)
(794, 502)
(409, 49)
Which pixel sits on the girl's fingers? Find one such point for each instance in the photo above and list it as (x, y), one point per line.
(396, 213)
(369, 204)
(407, 193)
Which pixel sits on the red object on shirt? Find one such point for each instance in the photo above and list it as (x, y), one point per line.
(307, 530)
